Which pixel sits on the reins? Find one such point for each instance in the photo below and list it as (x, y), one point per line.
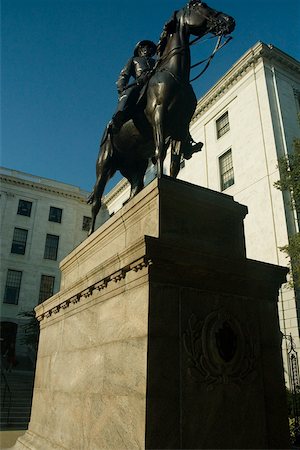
(218, 46)
(208, 60)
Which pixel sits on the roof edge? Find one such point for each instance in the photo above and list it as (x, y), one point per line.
(259, 51)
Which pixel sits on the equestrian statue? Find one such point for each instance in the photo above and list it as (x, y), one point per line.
(155, 110)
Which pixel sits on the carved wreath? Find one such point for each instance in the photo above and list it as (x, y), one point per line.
(220, 350)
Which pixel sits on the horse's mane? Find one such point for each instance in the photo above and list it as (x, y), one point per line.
(169, 28)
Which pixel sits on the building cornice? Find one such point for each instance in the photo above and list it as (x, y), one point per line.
(250, 59)
(116, 191)
(81, 197)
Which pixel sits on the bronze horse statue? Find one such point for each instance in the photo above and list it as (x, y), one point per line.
(169, 104)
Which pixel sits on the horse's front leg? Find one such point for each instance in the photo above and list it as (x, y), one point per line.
(175, 158)
(159, 138)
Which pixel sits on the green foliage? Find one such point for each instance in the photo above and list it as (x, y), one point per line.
(293, 252)
(293, 398)
(294, 431)
(289, 167)
(31, 329)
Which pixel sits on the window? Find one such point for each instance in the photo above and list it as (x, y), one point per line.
(19, 241)
(222, 125)
(46, 287)
(55, 214)
(51, 247)
(226, 170)
(86, 223)
(24, 208)
(12, 287)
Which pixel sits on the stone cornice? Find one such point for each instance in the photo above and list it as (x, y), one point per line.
(42, 187)
(48, 308)
(116, 191)
(260, 52)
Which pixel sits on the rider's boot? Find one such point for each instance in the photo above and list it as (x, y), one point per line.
(190, 147)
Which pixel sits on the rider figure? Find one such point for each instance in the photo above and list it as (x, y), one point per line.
(139, 67)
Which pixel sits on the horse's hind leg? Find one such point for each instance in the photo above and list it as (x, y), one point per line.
(105, 171)
(137, 178)
(135, 173)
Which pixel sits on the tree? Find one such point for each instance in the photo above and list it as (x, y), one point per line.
(289, 167)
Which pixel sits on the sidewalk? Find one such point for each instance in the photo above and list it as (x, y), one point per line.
(9, 438)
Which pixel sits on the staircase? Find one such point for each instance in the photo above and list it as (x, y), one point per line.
(16, 398)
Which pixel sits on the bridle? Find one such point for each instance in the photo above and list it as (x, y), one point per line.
(219, 29)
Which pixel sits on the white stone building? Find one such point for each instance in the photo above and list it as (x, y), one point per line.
(41, 222)
(246, 122)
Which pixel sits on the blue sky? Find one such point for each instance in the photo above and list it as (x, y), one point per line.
(61, 58)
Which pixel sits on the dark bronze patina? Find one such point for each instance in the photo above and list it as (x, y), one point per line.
(157, 107)
(139, 67)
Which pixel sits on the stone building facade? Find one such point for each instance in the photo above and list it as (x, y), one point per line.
(41, 222)
(246, 121)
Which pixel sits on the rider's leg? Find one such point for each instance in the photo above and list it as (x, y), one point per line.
(125, 108)
(189, 146)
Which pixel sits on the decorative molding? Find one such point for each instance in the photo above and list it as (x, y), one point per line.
(42, 187)
(254, 55)
(117, 276)
(220, 350)
(116, 191)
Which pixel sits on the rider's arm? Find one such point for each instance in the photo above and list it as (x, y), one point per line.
(125, 74)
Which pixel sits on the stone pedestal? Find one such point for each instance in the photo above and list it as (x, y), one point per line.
(163, 335)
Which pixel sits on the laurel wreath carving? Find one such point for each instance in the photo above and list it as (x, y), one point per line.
(206, 364)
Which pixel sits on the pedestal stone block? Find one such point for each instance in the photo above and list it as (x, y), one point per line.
(163, 335)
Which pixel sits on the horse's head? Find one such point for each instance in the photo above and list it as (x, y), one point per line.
(202, 19)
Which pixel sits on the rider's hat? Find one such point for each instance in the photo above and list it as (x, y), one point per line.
(141, 44)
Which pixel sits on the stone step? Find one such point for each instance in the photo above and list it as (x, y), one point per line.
(14, 426)
(16, 394)
(15, 413)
